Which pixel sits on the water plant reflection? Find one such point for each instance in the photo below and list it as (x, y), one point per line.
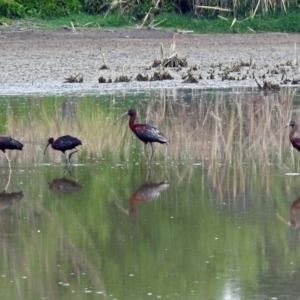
(147, 192)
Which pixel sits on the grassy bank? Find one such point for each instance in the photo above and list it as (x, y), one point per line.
(281, 22)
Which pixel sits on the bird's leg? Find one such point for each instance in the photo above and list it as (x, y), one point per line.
(145, 148)
(7, 157)
(8, 182)
(7, 160)
(71, 155)
(67, 160)
(152, 152)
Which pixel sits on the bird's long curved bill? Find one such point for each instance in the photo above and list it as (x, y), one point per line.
(282, 128)
(282, 219)
(118, 118)
(46, 148)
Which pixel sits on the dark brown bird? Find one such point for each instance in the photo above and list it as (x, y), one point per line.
(63, 144)
(145, 132)
(294, 140)
(8, 143)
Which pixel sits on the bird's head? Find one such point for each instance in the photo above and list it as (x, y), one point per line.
(292, 123)
(130, 112)
(50, 141)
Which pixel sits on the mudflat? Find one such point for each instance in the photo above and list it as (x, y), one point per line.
(39, 61)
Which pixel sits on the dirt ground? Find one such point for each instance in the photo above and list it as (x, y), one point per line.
(37, 62)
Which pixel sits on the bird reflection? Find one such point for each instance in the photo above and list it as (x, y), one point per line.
(65, 186)
(145, 193)
(294, 208)
(8, 199)
(293, 213)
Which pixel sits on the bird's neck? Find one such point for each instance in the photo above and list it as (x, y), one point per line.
(131, 122)
(292, 133)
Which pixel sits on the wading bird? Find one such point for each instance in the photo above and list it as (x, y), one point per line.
(294, 140)
(8, 143)
(63, 144)
(145, 132)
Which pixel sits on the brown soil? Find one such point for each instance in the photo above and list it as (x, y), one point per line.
(41, 61)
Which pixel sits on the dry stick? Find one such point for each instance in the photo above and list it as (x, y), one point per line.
(149, 13)
(73, 27)
(283, 6)
(162, 51)
(104, 60)
(222, 18)
(113, 4)
(173, 45)
(233, 22)
(145, 18)
(295, 54)
(213, 7)
(154, 25)
(254, 13)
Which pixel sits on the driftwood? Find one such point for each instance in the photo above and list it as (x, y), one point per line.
(123, 78)
(141, 77)
(161, 75)
(74, 79)
(267, 85)
(101, 79)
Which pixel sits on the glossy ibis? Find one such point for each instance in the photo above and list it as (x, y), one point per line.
(63, 144)
(145, 132)
(294, 140)
(8, 143)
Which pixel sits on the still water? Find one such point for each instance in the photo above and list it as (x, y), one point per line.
(213, 216)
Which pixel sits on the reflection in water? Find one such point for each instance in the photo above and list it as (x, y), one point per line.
(145, 193)
(294, 221)
(219, 141)
(8, 199)
(293, 213)
(64, 185)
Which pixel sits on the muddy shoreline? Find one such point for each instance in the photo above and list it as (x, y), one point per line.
(38, 62)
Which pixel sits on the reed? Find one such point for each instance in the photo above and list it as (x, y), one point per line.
(214, 127)
(227, 134)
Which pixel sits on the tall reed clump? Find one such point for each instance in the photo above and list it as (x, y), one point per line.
(241, 7)
(147, 9)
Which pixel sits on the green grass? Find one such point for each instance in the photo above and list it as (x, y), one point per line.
(281, 22)
(83, 20)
